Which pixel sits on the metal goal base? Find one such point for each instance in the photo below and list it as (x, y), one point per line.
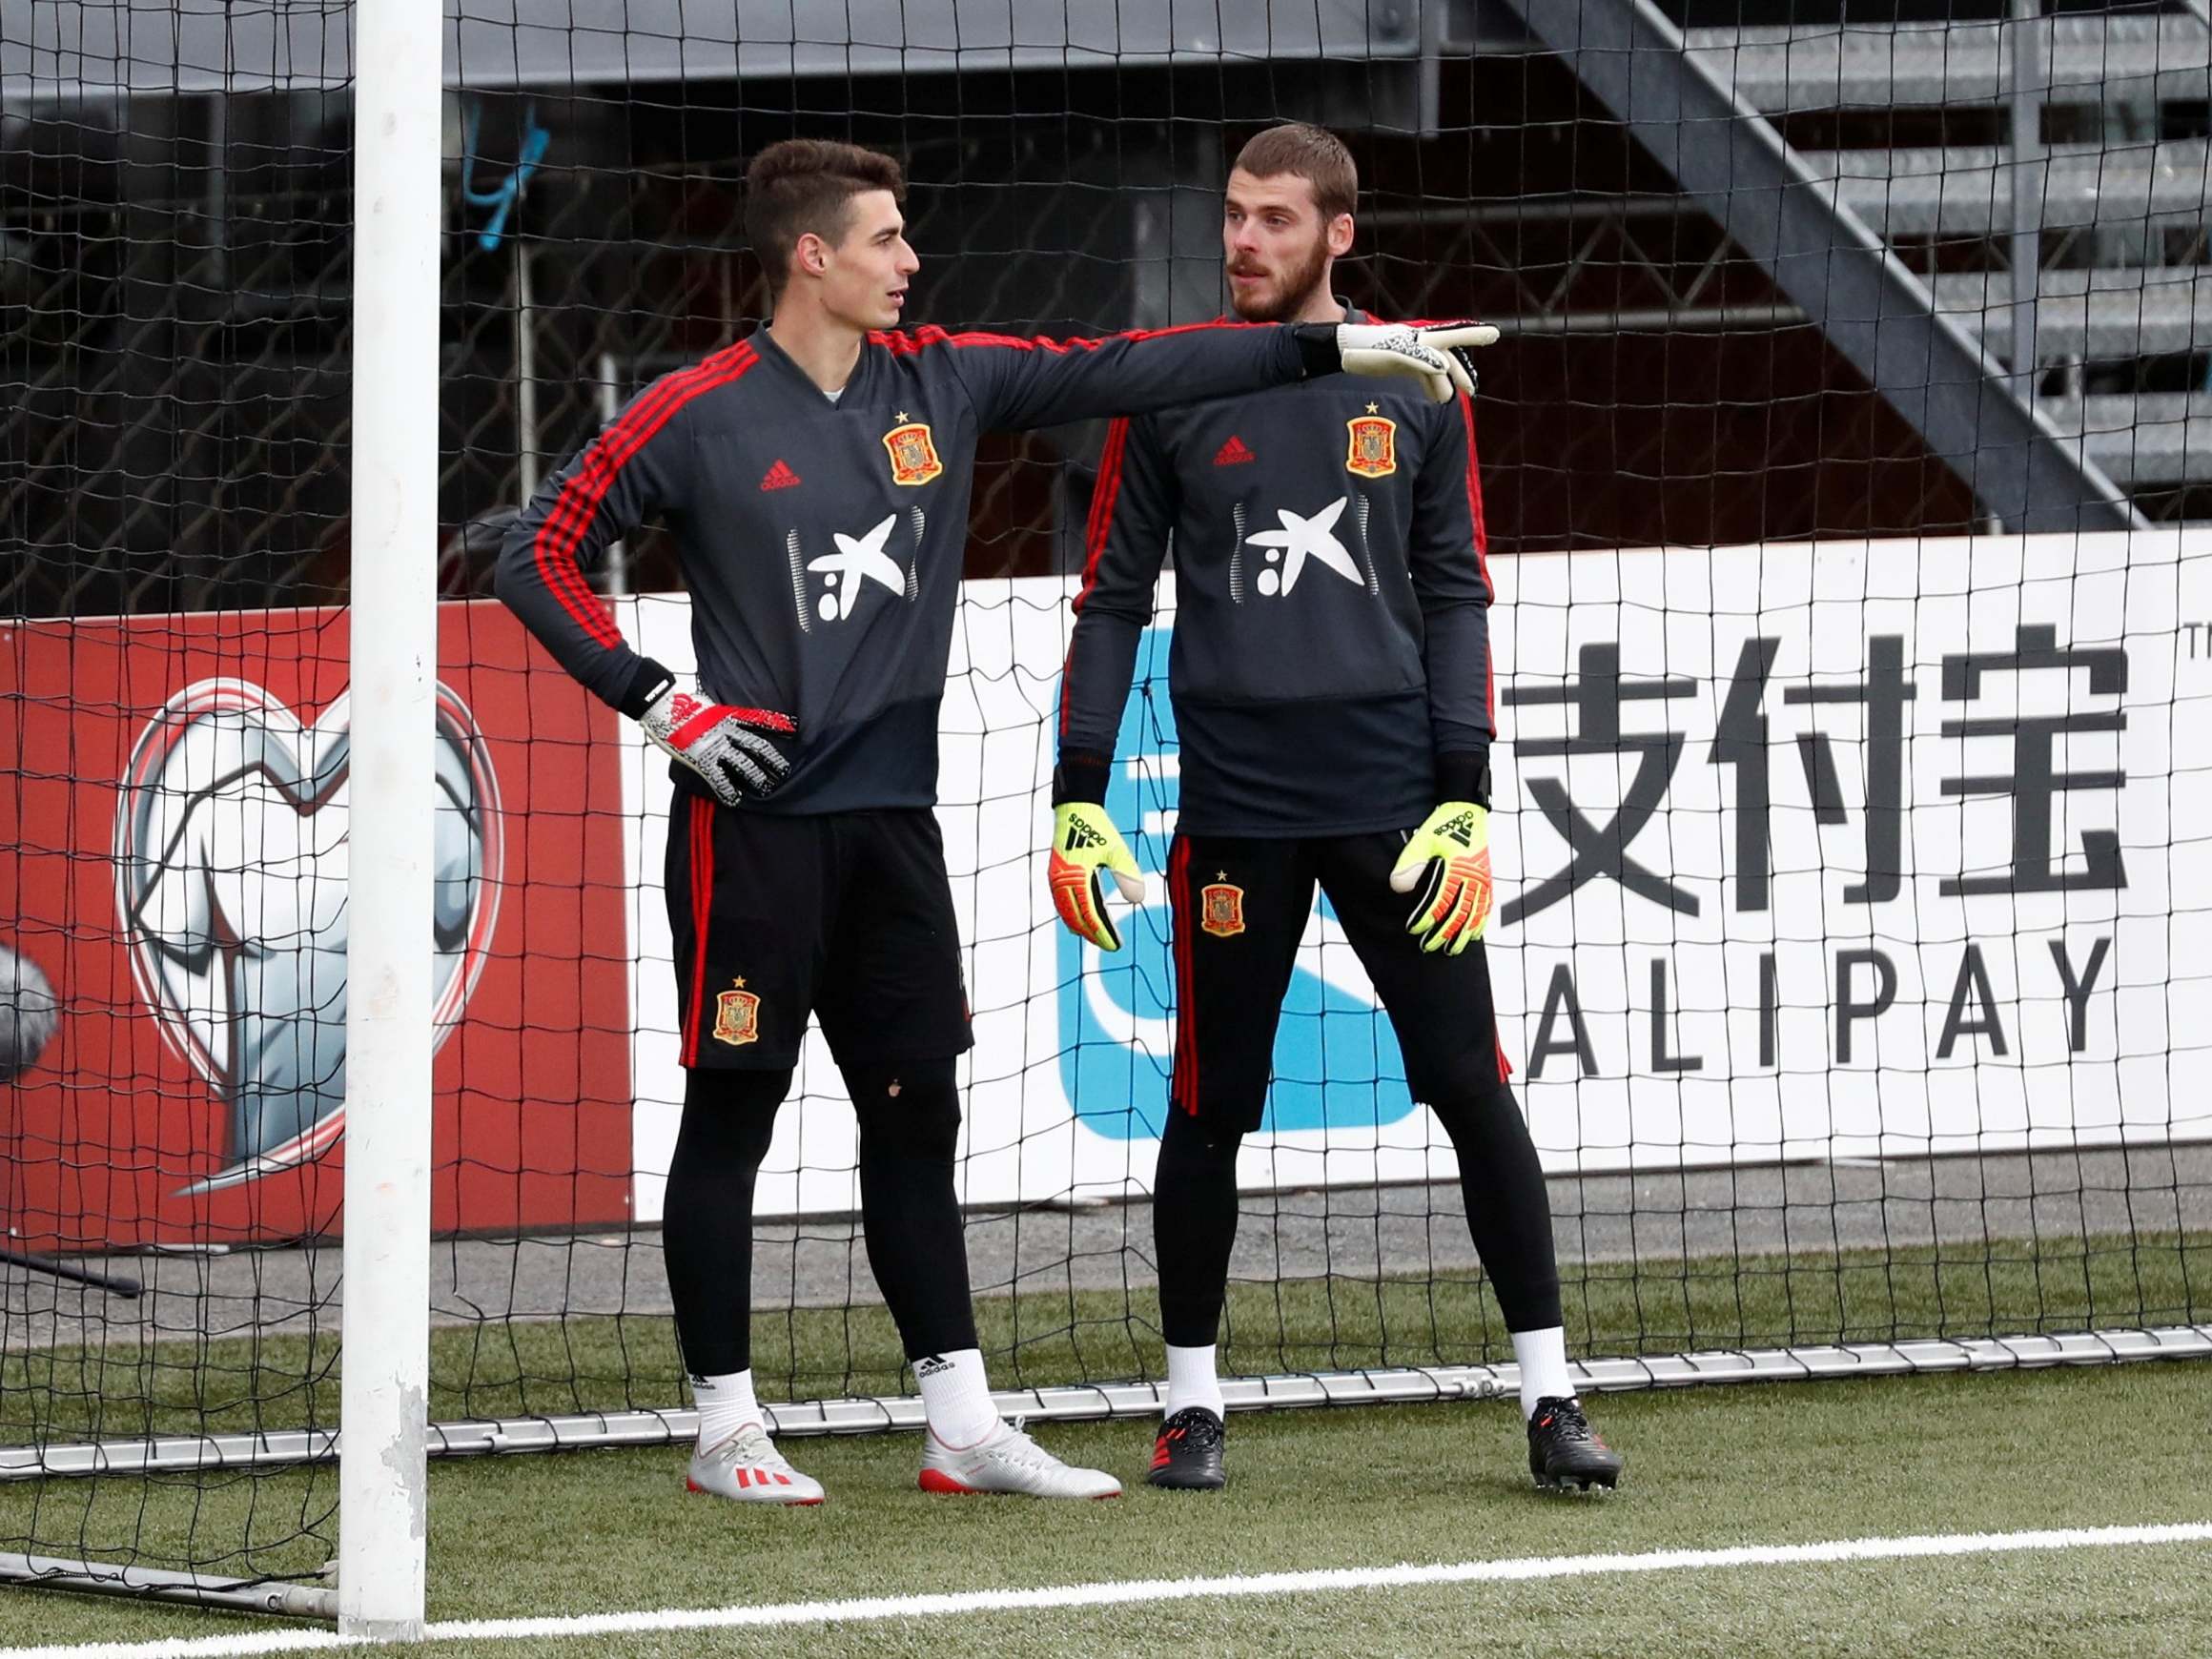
(243, 1595)
(599, 1430)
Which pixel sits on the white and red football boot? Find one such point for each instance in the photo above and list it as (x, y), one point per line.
(1007, 1460)
(746, 1469)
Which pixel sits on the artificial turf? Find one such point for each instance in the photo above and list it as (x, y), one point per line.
(1711, 1468)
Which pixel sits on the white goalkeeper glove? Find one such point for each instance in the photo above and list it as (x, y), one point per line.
(733, 749)
(1435, 355)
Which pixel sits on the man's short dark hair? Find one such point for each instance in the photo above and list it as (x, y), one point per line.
(1313, 153)
(805, 185)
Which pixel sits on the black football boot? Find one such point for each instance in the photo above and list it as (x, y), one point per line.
(1187, 1455)
(1564, 1453)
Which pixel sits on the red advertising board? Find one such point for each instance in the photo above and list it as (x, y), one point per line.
(173, 923)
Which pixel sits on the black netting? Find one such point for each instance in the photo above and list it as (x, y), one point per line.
(1939, 995)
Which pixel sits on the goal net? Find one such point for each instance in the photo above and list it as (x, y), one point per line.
(1853, 643)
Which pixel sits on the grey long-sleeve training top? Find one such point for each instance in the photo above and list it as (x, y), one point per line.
(1330, 669)
(822, 539)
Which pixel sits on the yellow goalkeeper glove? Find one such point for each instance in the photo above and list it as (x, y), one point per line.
(1448, 858)
(1084, 844)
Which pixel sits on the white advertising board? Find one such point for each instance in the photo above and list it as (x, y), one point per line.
(1848, 849)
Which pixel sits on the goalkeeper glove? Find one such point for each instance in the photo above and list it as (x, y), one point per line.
(733, 749)
(1437, 356)
(1085, 844)
(1448, 857)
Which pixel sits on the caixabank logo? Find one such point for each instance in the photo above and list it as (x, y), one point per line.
(1336, 1062)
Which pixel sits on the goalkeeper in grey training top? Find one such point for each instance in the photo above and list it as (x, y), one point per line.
(1331, 681)
(815, 475)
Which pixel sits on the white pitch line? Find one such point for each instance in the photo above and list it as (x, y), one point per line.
(1320, 1580)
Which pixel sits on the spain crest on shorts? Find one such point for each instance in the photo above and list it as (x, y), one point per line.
(737, 1016)
(1373, 452)
(913, 454)
(1221, 909)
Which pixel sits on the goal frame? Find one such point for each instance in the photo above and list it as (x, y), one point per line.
(384, 1474)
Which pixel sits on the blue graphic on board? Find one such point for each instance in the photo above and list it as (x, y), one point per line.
(1336, 1064)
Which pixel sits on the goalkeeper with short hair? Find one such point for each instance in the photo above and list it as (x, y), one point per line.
(1331, 682)
(815, 474)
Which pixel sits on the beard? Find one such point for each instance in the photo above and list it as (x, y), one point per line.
(1288, 297)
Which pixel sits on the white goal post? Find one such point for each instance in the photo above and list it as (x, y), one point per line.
(384, 1496)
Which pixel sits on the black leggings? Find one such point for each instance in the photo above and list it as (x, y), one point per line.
(909, 1121)
(1193, 1216)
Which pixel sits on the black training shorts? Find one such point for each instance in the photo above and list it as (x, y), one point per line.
(1241, 908)
(846, 915)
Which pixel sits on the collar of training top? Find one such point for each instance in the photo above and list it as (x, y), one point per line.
(778, 361)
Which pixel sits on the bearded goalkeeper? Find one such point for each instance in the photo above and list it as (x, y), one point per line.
(1331, 682)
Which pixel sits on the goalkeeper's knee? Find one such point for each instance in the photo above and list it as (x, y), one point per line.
(1482, 1117)
(729, 1117)
(907, 1110)
(1190, 1142)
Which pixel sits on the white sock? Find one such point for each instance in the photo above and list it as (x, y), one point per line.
(726, 1406)
(1543, 1359)
(956, 1396)
(1191, 1381)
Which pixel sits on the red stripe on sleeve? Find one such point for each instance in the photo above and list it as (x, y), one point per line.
(580, 497)
(1100, 526)
(1481, 550)
(1475, 492)
(554, 544)
(1102, 503)
(610, 452)
(553, 547)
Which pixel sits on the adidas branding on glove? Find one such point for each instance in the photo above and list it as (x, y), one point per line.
(1460, 828)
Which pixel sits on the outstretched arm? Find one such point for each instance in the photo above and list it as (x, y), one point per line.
(1019, 382)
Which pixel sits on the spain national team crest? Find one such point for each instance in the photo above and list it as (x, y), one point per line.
(737, 1016)
(1221, 909)
(913, 454)
(1373, 452)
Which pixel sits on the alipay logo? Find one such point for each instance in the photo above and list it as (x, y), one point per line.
(1336, 1063)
